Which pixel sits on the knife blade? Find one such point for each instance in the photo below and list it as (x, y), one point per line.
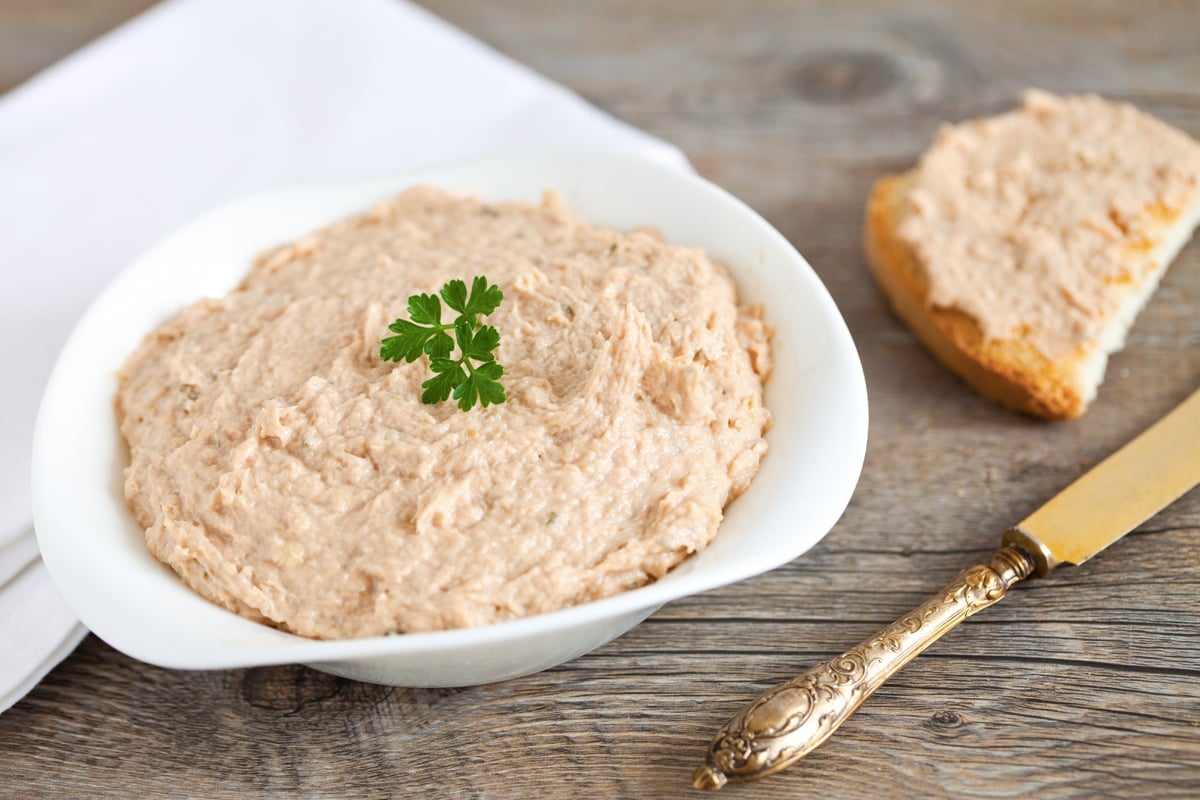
(1117, 495)
(1110, 500)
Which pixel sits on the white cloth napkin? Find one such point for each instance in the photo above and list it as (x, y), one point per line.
(37, 629)
(190, 105)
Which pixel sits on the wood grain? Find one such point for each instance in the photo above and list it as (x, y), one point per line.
(34, 34)
(1086, 684)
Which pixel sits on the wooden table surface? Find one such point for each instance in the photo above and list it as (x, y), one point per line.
(1084, 685)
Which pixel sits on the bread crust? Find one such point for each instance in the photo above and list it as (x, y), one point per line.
(1009, 371)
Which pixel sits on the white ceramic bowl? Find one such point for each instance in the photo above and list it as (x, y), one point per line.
(95, 551)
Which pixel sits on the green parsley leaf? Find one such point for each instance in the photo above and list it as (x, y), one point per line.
(472, 378)
(484, 299)
(449, 376)
(478, 388)
(425, 309)
(455, 294)
(408, 345)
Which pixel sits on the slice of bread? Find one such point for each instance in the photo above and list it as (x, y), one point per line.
(1045, 348)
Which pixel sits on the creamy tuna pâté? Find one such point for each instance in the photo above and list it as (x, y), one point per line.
(1035, 222)
(289, 474)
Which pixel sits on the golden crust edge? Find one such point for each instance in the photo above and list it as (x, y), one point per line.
(1009, 371)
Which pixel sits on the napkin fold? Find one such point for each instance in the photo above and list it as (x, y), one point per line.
(37, 629)
(190, 105)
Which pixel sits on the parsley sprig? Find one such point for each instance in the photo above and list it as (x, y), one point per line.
(475, 375)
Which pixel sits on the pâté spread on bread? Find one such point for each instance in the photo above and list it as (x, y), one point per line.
(288, 473)
(1022, 245)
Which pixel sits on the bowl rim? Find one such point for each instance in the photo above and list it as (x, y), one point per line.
(289, 648)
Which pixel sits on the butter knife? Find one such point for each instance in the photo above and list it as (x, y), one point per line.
(1114, 497)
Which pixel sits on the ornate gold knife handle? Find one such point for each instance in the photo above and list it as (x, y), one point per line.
(791, 720)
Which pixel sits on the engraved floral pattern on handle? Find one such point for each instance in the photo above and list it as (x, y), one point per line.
(791, 720)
